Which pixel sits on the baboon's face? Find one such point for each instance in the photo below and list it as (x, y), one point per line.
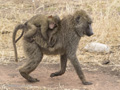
(83, 24)
(52, 25)
(53, 22)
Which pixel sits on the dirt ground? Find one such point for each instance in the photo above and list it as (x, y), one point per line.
(101, 77)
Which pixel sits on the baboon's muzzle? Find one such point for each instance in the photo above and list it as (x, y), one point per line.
(89, 31)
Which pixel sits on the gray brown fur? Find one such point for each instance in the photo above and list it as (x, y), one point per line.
(51, 33)
(72, 28)
(30, 28)
(43, 22)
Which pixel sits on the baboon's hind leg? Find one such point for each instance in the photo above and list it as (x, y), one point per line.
(63, 59)
(35, 56)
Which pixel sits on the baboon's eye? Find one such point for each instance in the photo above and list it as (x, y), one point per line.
(90, 22)
(56, 25)
(77, 19)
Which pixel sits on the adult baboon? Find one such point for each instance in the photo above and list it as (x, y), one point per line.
(42, 23)
(72, 28)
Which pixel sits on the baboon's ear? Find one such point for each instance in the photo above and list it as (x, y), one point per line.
(77, 19)
(57, 19)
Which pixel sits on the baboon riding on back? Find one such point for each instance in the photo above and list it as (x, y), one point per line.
(71, 29)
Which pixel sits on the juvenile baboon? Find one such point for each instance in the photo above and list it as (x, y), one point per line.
(50, 23)
(44, 22)
(51, 32)
(72, 28)
(38, 22)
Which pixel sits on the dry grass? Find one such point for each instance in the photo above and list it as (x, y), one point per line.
(106, 24)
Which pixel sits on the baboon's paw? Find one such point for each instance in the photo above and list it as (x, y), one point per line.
(33, 80)
(53, 75)
(87, 83)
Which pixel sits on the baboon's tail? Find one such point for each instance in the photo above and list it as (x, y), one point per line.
(19, 36)
(20, 26)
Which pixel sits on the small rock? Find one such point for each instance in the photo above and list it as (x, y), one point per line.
(97, 47)
(106, 62)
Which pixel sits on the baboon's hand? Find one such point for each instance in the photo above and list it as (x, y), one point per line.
(52, 41)
(30, 40)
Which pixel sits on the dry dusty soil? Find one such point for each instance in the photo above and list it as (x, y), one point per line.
(102, 78)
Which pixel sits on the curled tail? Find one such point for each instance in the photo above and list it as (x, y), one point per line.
(20, 26)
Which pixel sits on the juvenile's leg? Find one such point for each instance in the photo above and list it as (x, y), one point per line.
(32, 29)
(63, 59)
(34, 55)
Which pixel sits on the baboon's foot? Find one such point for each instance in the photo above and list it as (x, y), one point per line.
(33, 80)
(56, 74)
(29, 78)
(87, 83)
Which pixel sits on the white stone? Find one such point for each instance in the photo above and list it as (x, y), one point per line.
(97, 47)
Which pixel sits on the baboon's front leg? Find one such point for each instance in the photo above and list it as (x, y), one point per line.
(63, 59)
(78, 69)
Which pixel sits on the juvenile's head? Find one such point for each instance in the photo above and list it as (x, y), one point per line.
(53, 21)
